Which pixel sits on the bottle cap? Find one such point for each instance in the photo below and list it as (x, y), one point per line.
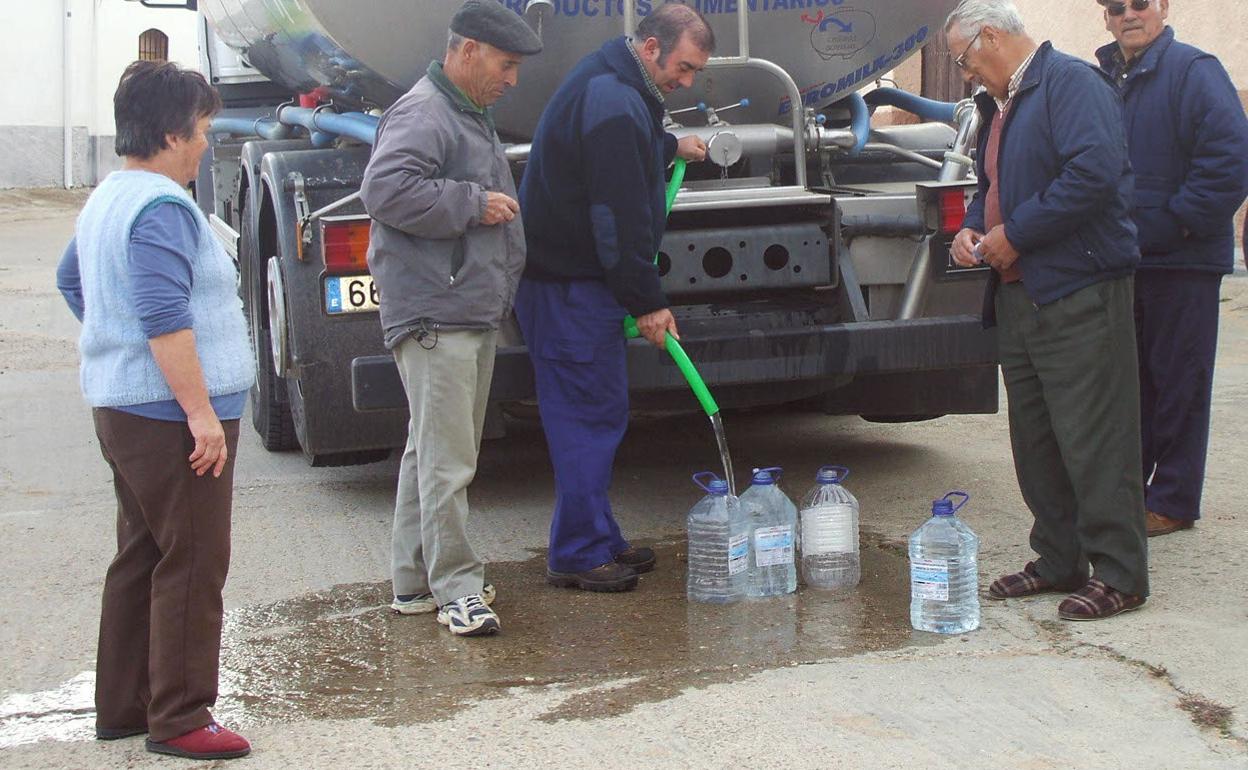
(764, 476)
(945, 506)
(713, 484)
(831, 474)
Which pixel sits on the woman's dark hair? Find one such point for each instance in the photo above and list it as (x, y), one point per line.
(158, 98)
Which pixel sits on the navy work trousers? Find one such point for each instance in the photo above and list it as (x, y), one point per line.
(574, 332)
(1176, 321)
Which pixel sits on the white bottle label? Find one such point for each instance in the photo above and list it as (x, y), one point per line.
(773, 546)
(929, 579)
(828, 529)
(738, 554)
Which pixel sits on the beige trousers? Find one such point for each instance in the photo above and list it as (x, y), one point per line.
(447, 379)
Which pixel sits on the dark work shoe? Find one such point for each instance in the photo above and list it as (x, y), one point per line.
(1161, 524)
(640, 559)
(117, 733)
(609, 577)
(1097, 601)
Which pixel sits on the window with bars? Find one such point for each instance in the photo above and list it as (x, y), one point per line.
(153, 46)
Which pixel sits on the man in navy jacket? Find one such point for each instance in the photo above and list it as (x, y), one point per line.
(1051, 218)
(1188, 141)
(592, 199)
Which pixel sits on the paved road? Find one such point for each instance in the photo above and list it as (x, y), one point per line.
(319, 675)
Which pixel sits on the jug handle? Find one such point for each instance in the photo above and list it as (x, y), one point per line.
(957, 493)
(709, 476)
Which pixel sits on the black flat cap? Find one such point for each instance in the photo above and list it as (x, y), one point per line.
(487, 21)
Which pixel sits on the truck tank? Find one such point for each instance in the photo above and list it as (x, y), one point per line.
(367, 55)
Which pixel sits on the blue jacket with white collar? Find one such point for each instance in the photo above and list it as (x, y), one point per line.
(1064, 176)
(1188, 140)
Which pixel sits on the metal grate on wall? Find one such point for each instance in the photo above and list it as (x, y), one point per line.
(153, 46)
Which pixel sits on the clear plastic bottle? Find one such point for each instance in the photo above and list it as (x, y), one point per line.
(829, 534)
(944, 578)
(719, 544)
(773, 521)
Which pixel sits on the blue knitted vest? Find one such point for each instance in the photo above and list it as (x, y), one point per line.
(117, 365)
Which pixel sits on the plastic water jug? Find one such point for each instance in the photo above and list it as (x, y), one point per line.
(773, 522)
(829, 535)
(944, 578)
(719, 544)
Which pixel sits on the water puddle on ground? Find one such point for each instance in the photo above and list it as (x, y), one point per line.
(343, 654)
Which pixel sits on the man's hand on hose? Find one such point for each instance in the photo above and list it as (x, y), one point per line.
(655, 326)
(691, 148)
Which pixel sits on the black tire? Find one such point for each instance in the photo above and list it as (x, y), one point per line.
(325, 459)
(270, 411)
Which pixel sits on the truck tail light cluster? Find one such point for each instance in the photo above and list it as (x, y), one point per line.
(345, 245)
(952, 203)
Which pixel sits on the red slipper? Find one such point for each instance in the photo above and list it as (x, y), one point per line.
(212, 741)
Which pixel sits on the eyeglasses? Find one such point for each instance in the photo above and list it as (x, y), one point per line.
(1118, 9)
(961, 60)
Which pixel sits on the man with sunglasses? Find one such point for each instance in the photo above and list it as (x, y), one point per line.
(1052, 218)
(1188, 142)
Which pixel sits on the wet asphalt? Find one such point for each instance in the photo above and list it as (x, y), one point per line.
(319, 673)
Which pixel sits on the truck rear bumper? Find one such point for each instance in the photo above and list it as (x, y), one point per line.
(833, 353)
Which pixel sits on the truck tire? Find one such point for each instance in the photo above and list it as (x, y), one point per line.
(327, 459)
(270, 411)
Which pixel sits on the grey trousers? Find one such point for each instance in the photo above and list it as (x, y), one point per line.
(447, 380)
(1074, 404)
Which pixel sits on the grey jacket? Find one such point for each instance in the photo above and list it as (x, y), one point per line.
(435, 157)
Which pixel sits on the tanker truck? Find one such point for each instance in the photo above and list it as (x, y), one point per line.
(807, 261)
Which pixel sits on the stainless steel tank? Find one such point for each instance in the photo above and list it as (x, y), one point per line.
(370, 51)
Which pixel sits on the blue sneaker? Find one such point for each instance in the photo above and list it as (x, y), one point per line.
(419, 604)
(469, 616)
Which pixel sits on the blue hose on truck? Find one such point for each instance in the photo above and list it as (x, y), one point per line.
(322, 126)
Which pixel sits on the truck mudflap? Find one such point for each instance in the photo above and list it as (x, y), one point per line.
(793, 363)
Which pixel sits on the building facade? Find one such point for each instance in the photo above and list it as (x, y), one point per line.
(62, 60)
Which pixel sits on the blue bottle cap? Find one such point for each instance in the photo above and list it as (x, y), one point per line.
(713, 484)
(945, 506)
(764, 476)
(831, 474)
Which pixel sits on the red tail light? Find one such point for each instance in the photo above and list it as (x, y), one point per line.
(345, 244)
(952, 210)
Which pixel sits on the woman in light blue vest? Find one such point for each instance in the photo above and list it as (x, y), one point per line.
(166, 366)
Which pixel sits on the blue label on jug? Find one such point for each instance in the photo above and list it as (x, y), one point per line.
(738, 554)
(773, 546)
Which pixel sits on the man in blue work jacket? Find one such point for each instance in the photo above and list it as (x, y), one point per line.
(1188, 141)
(593, 205)
(1052, 218)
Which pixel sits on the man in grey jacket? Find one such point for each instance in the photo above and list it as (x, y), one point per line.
(446, 252)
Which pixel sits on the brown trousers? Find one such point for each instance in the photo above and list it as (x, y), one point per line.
(160, 624)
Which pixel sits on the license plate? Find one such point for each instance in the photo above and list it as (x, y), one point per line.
(350, 294)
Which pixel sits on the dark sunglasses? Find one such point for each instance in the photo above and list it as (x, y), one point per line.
(1118, 9)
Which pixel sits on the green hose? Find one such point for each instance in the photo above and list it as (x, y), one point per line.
(673, 347)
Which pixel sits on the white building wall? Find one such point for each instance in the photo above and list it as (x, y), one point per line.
(104, 38)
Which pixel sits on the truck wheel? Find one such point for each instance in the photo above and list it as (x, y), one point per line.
(325, 459)
(270, 412)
